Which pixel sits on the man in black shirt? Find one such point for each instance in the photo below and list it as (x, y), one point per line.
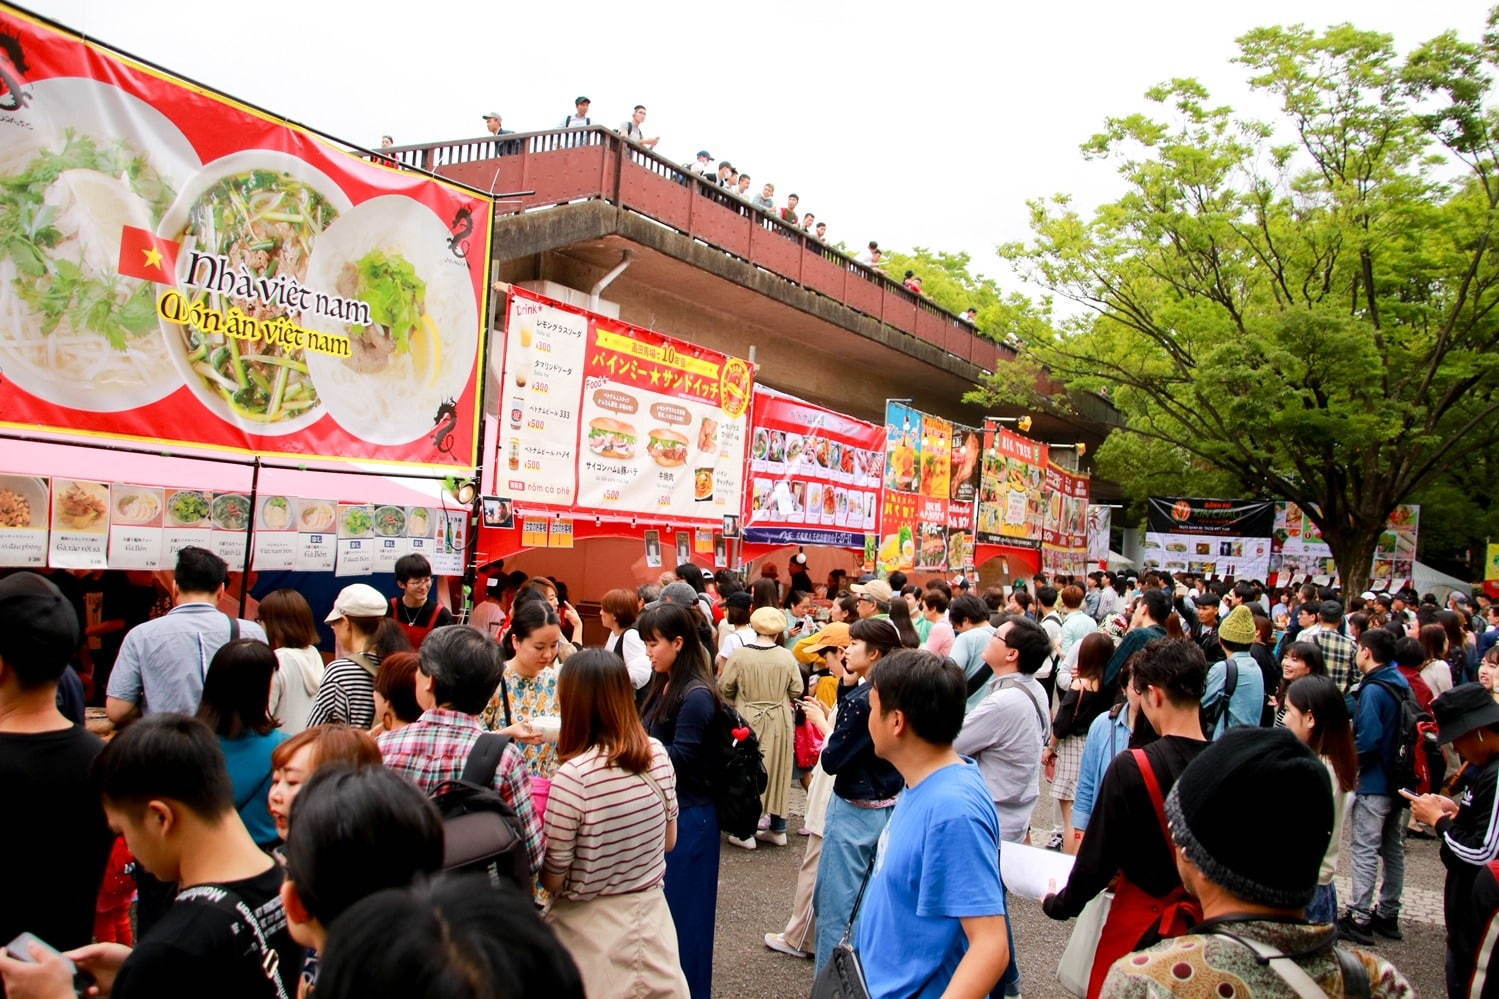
(165, 787)
(55, 840)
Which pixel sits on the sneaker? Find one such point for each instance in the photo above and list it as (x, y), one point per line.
(764, 823)
(1055, 843)
(774, 838)
(777, 942)
(1387, 927)
(1352, 930)
(747, 843)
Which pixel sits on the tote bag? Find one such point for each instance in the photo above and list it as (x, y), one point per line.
(1076, 966)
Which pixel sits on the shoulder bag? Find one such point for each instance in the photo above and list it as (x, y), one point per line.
(843, 976)
(1355, 976)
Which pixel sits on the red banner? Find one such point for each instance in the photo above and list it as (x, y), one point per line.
(1010, 507)
(1064, 532)
(193, 272)
(814, 475)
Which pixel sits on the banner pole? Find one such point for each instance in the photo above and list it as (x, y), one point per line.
(244, 578)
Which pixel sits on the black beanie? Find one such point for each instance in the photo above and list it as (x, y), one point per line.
(1254, 812)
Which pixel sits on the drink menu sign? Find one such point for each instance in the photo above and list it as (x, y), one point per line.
(1010, 505)
(191, 271)
(814, 475)
(605, 418)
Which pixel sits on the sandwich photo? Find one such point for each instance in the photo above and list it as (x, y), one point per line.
(667, 447)
(610, 438)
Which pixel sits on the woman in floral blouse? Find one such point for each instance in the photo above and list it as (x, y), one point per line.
(528, 688)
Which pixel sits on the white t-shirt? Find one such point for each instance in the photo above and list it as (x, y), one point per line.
(734, 641)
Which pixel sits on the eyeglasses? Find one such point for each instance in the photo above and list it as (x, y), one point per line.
(863, 600)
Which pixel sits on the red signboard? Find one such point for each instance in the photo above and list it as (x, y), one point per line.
(194, 272)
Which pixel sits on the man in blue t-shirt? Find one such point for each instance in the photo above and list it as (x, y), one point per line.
(933, 917)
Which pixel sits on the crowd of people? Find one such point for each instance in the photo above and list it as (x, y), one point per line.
(496, 806)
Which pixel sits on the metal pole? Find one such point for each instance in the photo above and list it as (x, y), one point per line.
(244, 579)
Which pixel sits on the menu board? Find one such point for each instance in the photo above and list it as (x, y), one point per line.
(213, 276)
(1064, 534)
(607, 419)
(1297, 548)
(449, 543)
(135, 533)
(1010, 508)
(1211, 537)
(814, 475)
(80, 524)
(25, 509)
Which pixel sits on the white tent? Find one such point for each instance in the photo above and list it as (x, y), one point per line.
(1429, 580)
(1118, 561)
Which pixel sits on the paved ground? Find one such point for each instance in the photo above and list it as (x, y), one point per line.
(755, 890)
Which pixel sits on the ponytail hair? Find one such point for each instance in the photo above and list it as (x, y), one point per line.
(526, 618)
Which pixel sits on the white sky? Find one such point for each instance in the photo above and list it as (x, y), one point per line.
(924, 124)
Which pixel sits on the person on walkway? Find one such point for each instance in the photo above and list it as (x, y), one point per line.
(299, 757)
(459, 669)
(761, 680)
(236, 705)
(56, 838)
(165, 788)
(347, 693)
(162, 662)
(528, 690)
(1127, 835)
(1146, 625)
(1254, 940)
(1006, 733)
(291, 633)
(395, 692)
(617, 612)
(1243, 706)
(933, 921)
(864, 788)
(1378, 818)
(970, 622)
(1301, 659)
(1110, 734)
(611, 820)
(1338, 650)
(1084, 700)
(1077, 623)
(1468, 720)
(1317, 715)
(681, 715)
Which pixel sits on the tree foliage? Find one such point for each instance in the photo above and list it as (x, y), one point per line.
(1305, 305)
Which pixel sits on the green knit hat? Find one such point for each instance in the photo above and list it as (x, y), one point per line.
(1239, 627)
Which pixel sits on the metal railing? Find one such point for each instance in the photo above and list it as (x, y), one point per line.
(559, 166)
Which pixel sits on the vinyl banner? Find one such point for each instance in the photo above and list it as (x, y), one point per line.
(1212, 537)
(1297, 548)
(963, 490)
(814, 475)
(1100, 521)
(176, 267)
(1064, 537)
(607, 419)
(1010, 508)
(901, 505)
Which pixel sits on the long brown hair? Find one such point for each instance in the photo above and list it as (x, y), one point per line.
(598, 710)
(1332, 728)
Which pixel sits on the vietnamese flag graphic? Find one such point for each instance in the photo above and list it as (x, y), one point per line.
(147, 256)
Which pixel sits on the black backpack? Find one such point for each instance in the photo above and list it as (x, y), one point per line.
(482, 834)
(1419, 763)
(739, 774)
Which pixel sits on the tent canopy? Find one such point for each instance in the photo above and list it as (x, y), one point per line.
(1429, 580)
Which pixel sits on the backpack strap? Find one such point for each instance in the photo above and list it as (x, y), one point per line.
(233, 627)
(1153, 788)
(1000, 684)
(484, 759)
(1355, 975)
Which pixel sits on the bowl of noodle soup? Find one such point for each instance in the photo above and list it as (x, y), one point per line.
(263, 211)
(419, 348)
(82, 161)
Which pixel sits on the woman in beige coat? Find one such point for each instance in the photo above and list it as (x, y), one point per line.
(762, 679)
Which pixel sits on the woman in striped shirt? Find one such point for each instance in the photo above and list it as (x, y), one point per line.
(611, 818)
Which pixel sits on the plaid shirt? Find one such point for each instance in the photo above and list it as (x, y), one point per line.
(1338, 651)
(434, 749)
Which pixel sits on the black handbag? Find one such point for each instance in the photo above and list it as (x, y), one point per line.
(843, 976)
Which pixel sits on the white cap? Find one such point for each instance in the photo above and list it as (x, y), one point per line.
(357, 600)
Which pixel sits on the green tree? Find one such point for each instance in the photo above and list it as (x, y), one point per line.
(1305, 305)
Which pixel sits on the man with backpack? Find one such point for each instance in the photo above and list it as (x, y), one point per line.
(1051, 623)
(1235, 694)
(1254, 939)
(458, 672)
(1378, 818)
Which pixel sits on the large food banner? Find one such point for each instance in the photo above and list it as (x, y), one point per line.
(177, 267)
(1213, 537)
(1297, 548)
(936, 472)
(1011, 507)
(1064, 533)
(814, 475)
(963, 485)
(1100, 521)
(607, 419)
(900, 502)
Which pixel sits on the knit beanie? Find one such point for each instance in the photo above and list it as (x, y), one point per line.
(1253, 812)
(1238, 627)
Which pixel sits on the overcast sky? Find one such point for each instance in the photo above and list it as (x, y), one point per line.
(917, 124)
